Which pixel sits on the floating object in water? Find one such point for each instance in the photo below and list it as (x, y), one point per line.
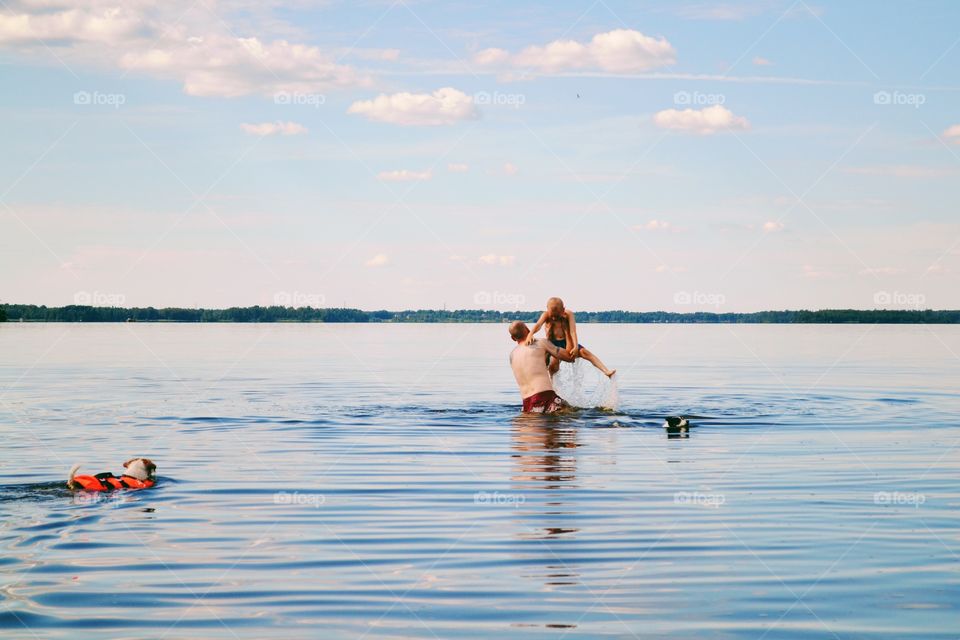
(675, 422)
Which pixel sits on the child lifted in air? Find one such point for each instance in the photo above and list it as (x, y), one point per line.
(561, 331)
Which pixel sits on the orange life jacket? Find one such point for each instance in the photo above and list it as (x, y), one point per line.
(108, 482)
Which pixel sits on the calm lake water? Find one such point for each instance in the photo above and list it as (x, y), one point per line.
(350, 481)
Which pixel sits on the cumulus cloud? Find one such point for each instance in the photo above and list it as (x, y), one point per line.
(494, 259)
(81, 24)
(274, 128)
(772, 226)
(174, 40)
(229, 67)
(705, 121)
(762, 62)
(404, 175)
(378, 260)
(617, 51)
(443, 106)
(458, 167)
(953, 134)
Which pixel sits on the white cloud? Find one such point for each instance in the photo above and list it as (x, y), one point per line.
(816, 273)
(510, 169)
(489, 57)
(378, 260)
(656, 225)
(617, 51)
(443, 106)
(937, 269)
(881, 271)
(228, 67)
(953, 134)
(175, 40)
(705, 121)
(274, 128)
(404, 175)
(762, 62)
(68, 25)
(458, 167)
(494, 259)
(772, 226)
(900, 171)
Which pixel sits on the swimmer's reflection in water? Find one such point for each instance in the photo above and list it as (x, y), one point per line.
(544, 453)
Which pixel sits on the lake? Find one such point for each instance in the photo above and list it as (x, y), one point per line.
(377, 481)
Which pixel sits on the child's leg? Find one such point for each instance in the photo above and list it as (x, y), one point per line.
(590, 357)
(553, 365)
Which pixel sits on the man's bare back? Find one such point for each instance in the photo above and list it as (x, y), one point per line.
(529, 364)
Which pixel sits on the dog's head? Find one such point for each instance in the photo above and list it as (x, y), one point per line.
(140, 468)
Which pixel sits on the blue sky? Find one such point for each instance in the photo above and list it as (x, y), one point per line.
(658, 155)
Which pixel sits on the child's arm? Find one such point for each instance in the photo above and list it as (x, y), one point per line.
(572, 345)
(536, 327)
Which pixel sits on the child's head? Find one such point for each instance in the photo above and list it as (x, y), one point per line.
(519, 330)
(555, 306)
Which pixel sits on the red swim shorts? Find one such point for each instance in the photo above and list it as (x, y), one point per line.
(544, 402)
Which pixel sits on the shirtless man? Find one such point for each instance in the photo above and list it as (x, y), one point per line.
(529, 364)
(562, 332)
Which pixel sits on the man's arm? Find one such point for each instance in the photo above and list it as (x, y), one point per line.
(543, 318)
(573, 345)
(555, 351)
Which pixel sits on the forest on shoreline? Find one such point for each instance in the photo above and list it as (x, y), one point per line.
(82, 313)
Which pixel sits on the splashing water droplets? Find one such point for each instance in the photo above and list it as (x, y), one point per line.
(582, 385)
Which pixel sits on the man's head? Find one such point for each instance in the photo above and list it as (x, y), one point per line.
(519, 331)
(555, 307)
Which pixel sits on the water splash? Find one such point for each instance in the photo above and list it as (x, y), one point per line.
(582, 385)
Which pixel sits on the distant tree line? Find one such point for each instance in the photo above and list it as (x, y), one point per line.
(81, 313)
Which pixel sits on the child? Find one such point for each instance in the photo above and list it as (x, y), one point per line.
(561, 331)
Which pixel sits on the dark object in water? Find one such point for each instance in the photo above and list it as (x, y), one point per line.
(677, 427)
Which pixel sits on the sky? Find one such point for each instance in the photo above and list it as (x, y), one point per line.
(680, 156)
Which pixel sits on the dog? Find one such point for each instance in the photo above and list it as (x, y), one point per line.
(140, 473)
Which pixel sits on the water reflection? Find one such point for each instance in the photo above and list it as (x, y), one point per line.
(544, 453)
